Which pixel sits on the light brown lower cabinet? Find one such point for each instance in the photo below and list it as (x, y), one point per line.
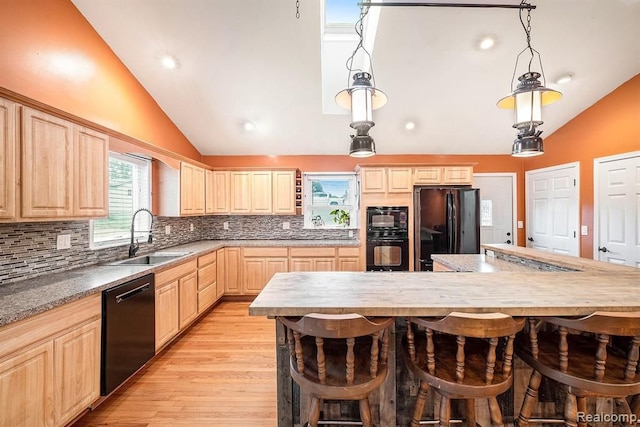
(188, 299)
(259, 265)
(349, 259)
(50, 365)
(207, 281)
(313, 259)
(440, 267)
(233, 271)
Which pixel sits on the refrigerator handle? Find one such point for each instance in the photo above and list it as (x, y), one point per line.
(454, 222)
(450, 223)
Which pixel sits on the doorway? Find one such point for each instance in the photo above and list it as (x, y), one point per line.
(617, 209)
(497, 207)
(552, 209)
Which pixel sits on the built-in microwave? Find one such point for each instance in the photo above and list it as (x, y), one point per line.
(380, 218)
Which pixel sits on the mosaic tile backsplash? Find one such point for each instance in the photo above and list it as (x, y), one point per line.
(29, 249)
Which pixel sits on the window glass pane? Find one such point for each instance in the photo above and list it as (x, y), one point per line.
(486, 213)
(129, 190)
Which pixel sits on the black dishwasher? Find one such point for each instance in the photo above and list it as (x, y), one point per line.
(128, 331)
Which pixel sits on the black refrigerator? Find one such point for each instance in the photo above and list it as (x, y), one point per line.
(447, 221)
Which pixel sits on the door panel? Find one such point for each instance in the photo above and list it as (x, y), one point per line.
(496, 208)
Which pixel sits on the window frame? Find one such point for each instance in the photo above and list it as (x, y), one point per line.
(353, 203)
(126, 240)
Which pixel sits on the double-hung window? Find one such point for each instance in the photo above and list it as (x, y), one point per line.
(330, 200)
(129, 190)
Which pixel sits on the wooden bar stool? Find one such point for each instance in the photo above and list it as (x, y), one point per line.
(462, 356)
(592, 356)
(338, 357)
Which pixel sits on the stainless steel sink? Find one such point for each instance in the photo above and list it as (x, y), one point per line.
(151, 259)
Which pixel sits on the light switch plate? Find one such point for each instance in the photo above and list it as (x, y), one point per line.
(285, 225)
(225, 225)
(63, 241)
(167, 229)
(584, 230)
(520, 224)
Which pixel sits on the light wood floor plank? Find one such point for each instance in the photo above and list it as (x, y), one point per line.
(222, 372)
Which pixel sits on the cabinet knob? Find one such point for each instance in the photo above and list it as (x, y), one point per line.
(603, 249)
(530, 239)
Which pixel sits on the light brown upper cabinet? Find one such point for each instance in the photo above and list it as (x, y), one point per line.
(386, 180)
(261, 192)
(182, 192)
(7, 159)
(284, 192)
(445, 175)
(218, 192)
(241, 192)
(64, 168)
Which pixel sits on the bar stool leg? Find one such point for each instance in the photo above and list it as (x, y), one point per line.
(418, 409)
(635, 406)
(365, 413)
(571, 411)
(582, 407)
(496, 414)
(530, 399)
(622, 407)
(471, 413)
(314, 411)
(445, 411)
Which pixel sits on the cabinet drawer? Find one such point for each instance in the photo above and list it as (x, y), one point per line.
(355, 251)
(206, 297)
(265, 252)
(427, 175)
(313, 252)
(207, 275)
(175, 272)
(206, 259)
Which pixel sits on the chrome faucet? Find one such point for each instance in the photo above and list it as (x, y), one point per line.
(134, 246)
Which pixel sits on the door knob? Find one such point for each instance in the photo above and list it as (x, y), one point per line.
(530, 239)
(508, 233)
(603, 249)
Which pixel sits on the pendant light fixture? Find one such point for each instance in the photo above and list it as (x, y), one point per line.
(528, 98)
(361, 97)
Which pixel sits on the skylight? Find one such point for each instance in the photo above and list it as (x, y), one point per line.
(341, 12)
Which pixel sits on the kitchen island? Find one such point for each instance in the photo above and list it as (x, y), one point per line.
(529, 292)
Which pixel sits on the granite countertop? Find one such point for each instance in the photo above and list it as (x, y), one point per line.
(26, 298)
(478, 263)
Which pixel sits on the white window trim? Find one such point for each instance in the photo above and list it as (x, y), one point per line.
(307, 196)
(125, 240)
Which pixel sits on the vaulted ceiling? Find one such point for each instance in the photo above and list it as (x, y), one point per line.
(252, 60)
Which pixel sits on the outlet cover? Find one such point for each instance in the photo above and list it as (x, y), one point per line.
(225, 225)
(285, 225)
(350, 233)
(191, 227)
(64, 241)
(167, 229)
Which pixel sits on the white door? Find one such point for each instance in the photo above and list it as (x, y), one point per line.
(617, 210)
(552, 209)
(497, 210)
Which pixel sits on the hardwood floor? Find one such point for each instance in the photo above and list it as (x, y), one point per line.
(221, 372)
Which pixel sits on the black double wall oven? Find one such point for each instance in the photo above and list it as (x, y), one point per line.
(387, 238)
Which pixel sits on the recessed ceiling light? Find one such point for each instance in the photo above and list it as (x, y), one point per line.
(169, 62)
(248, 126)
(564, 78)
(409, 125)
(487, 42)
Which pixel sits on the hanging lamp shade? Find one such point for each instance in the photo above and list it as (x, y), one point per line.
(527, 100)
(362, 146)
(361, 98)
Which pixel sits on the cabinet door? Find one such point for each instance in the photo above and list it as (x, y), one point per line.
(241, 192)
(399, 180)
(275, 265)
(233, 271)
(77, 371)
(427, 175)
(26, 388)
(47, 165)
(8, 168)
(458, 175)
(167, 324)
(261, 192)
(188, 299)
(221, 192)
(91, 189)
(324, 264)
(191, 189)
(349, 264)
(284, 192)
(209, 192)
(302, 264)
(221, 273)
(253, 275)
(197, 186)
(373, 180)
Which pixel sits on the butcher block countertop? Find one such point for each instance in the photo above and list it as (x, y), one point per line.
(512, 289)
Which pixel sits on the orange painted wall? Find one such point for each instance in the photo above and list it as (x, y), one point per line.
(482, 164)
(608, 127)
(50, 53)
